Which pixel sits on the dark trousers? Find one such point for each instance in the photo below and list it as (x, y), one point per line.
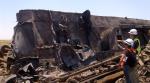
(131, 75)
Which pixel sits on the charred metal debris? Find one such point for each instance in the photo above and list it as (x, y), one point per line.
(58, 47)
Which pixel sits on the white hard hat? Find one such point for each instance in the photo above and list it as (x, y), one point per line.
(129, 41)
(133, 32)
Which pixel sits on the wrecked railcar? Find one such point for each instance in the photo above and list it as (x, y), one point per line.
(72, 41)
(37, 28)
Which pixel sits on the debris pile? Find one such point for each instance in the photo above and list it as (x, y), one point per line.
(4, 50)
(52, 46)
(144, 71)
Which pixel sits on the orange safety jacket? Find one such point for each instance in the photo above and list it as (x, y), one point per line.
(123, 57)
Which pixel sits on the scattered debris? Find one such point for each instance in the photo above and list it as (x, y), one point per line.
(50, 47)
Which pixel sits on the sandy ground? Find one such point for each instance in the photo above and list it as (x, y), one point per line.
(4, 42)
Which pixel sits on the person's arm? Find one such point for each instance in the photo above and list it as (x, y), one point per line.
(136, 44)
(122, 60)
(120, 41)
(120, 44)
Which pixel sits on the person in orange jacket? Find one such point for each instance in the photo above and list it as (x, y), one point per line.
(128, 62)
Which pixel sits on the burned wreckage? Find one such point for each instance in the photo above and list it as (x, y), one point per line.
(52, 46)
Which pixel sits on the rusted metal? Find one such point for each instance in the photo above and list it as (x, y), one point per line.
(111, 77)
(90, 67)
(36, 35)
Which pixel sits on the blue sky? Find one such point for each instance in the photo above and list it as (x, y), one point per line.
(121, 8)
